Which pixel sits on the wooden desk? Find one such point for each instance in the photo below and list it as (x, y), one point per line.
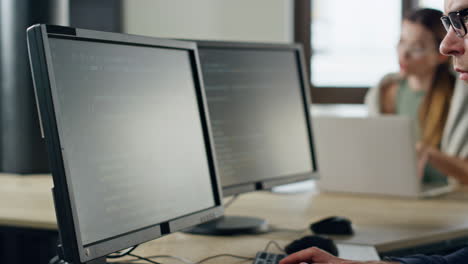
(26, 201)
(388, 224)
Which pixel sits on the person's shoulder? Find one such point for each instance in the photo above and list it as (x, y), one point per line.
(383, 93)
(459, 100)
(390, 79)
(461, 88)
(388, 86)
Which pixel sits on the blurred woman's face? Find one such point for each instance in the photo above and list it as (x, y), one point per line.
(417, 51)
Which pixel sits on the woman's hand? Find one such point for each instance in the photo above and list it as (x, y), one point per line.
(316, 255)
(449, 165)
(424, 153)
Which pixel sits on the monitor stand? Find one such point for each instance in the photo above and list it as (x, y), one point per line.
(231, 225)
(297, 187)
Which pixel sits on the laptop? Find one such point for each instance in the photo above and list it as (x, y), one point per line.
(371, 155)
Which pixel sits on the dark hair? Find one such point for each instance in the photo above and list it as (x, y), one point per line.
(430, 19)
(434, 108)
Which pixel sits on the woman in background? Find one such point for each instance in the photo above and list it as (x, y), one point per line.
(422, 89)
(454, 44)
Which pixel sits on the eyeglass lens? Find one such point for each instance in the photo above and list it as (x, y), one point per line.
(455, 20)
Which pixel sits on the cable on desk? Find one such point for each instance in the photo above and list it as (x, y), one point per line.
(186, 261)
(272, 242)
(233, 199)
(182, 260)
(223, 255)
(120, 254)
(142, 258)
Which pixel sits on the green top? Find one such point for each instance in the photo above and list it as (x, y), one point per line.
(407, 104)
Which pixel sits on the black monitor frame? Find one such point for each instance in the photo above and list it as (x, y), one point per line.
(73, 250)
(305, 92)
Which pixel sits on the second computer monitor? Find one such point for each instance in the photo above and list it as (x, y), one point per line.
(258, 99)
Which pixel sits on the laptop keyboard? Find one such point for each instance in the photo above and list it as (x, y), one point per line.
(430, 186)
(268, 258)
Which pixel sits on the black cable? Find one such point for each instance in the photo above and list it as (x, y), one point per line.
(183, 260)
(119, 254)
(272, 242)
(142, 258)
(186, 261)
(224, 255)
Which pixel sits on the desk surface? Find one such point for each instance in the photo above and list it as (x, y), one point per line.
(383, 222)
(26, 201)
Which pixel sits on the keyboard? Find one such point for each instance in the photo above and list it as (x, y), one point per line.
(268, 258)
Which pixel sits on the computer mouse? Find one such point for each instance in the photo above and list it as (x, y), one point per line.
(334, 225)
(321, 242)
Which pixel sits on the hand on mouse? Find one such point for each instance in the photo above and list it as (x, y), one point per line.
(318, 256)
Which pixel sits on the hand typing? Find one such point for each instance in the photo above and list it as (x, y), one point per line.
(318, 256)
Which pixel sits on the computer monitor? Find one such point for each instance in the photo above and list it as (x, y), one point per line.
(258, 99)
(127, 131)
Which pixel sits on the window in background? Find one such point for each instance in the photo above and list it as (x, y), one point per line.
(353, 45)
(436, 4)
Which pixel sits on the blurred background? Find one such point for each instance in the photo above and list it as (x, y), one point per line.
(349, 45)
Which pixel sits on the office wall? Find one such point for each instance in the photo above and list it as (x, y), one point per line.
(243, 20)
(22, 150)
(105, 15)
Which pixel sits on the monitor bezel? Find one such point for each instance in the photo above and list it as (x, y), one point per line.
(269, 183)
(44, 86)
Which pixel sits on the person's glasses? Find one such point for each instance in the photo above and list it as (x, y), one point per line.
(457, 20)
(413, 51)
